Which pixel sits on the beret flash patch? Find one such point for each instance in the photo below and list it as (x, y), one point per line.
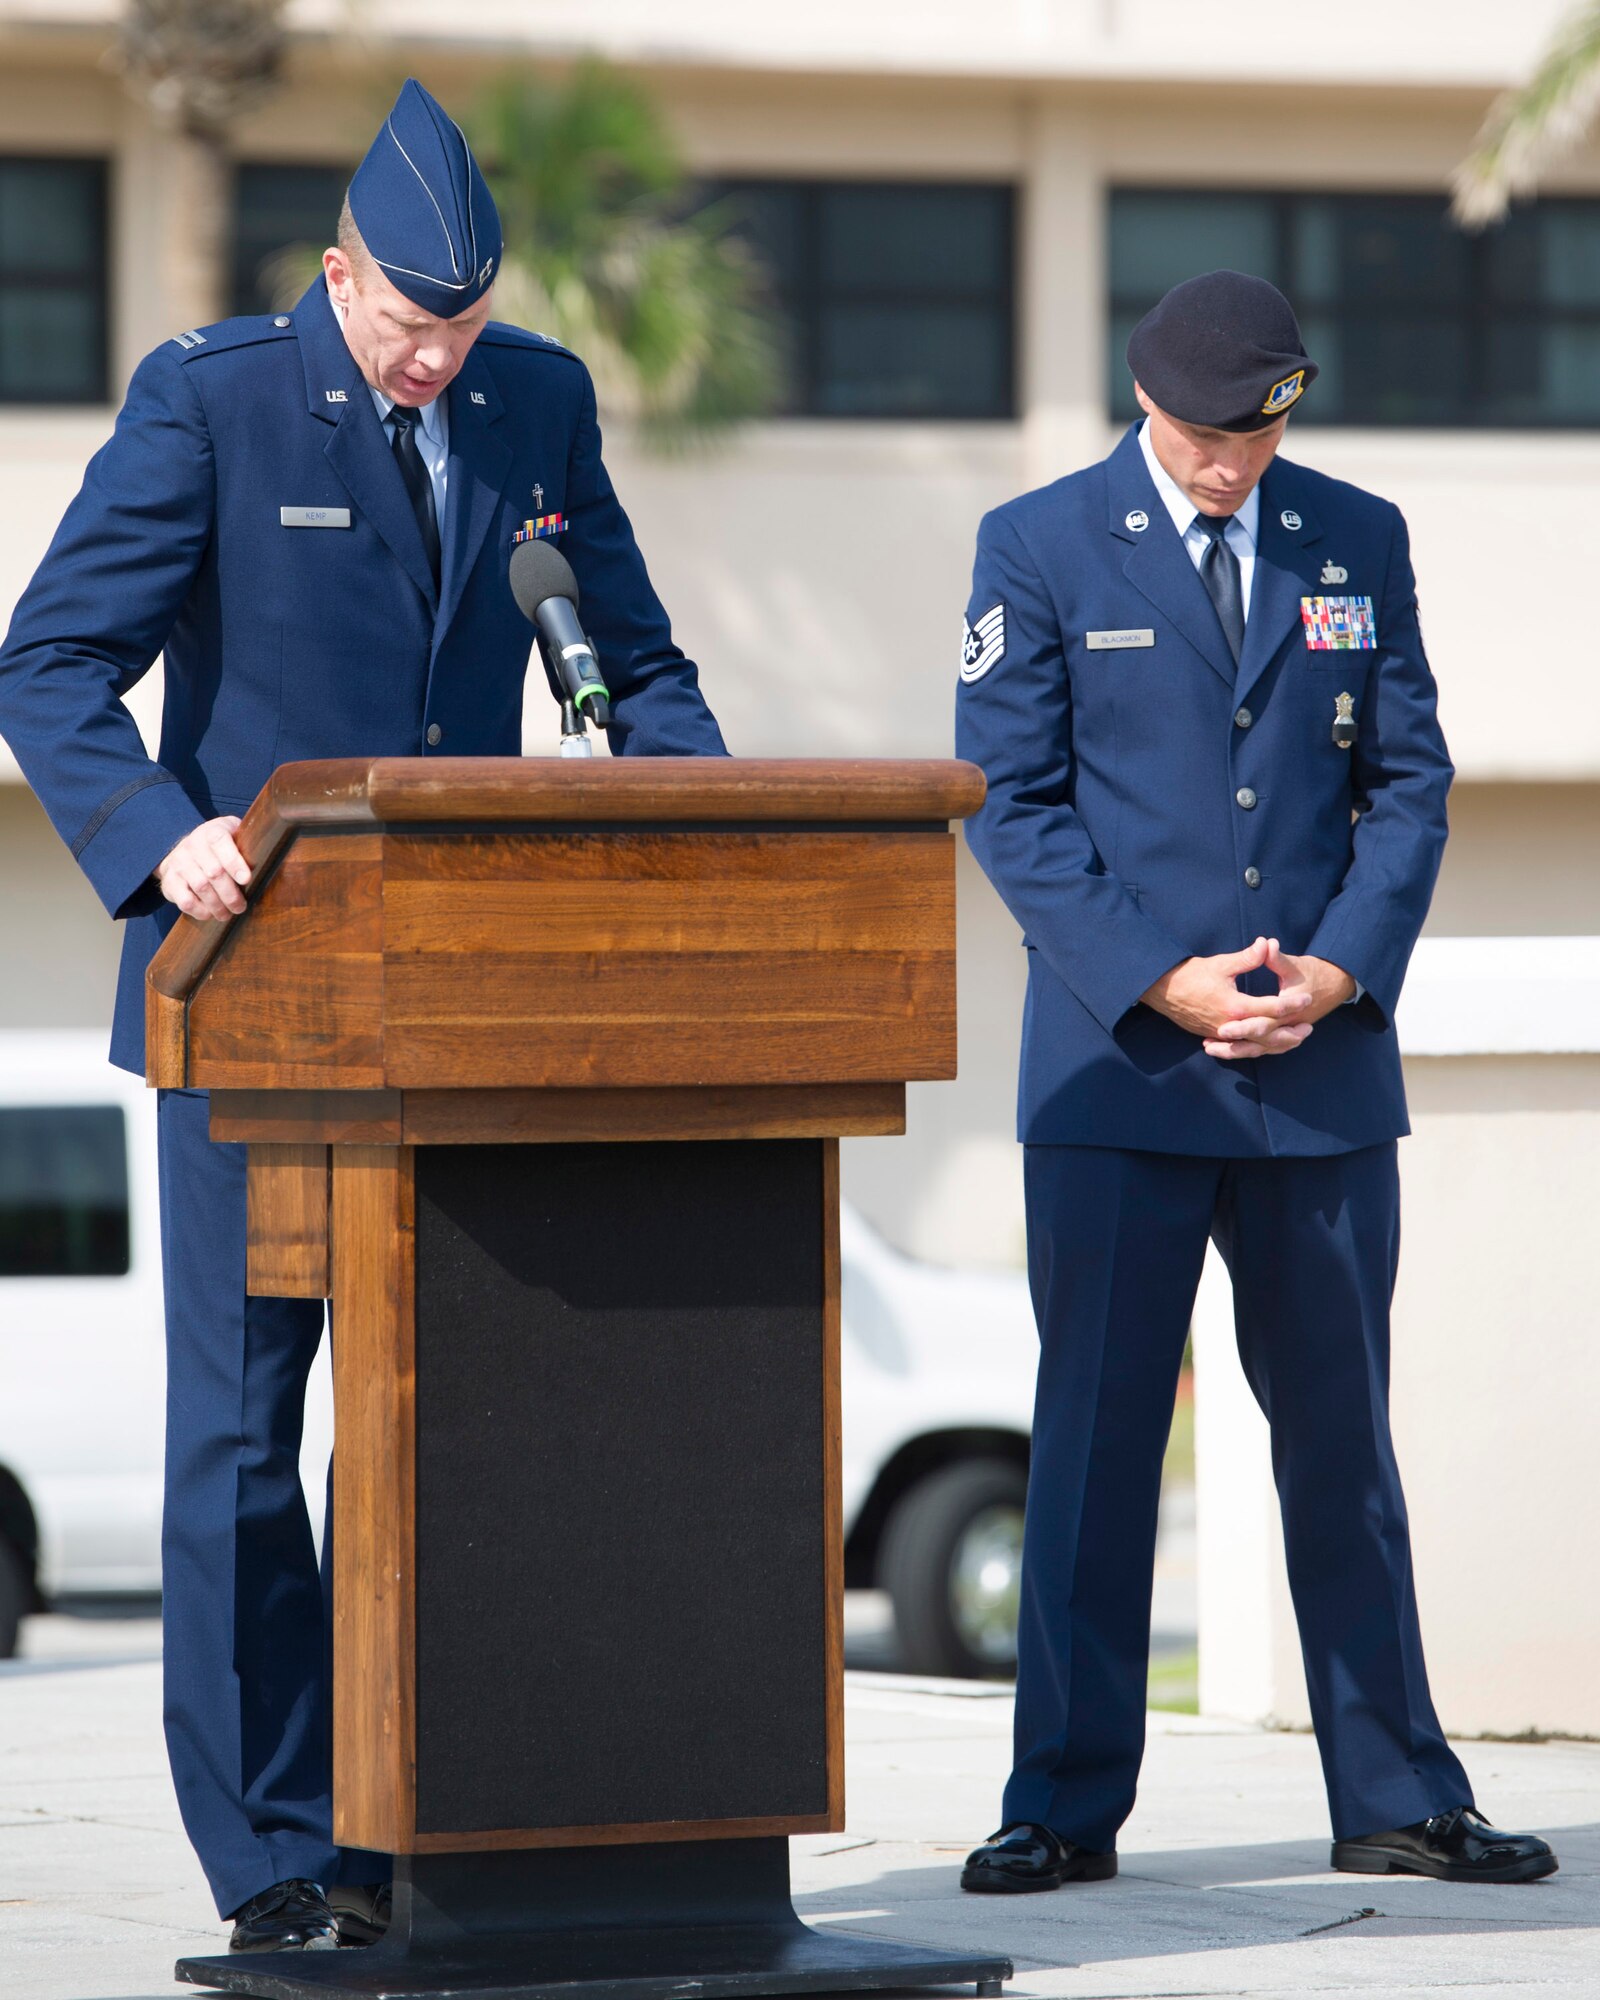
(1283, 393)
(983, 643)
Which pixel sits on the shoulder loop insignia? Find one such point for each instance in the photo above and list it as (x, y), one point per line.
(193, 338)
(983, 643)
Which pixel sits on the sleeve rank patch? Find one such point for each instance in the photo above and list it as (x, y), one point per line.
(982, 644)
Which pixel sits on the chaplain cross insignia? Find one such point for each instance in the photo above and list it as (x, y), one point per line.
(538, 496)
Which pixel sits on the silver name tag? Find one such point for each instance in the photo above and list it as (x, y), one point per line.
(314, 517)
(1117, 642)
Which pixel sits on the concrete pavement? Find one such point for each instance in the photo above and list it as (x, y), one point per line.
(1225, 1888)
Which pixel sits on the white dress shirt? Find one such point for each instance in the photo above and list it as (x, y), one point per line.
(1241, 530)
(433, 434)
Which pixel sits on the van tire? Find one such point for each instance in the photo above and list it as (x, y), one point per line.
(16, 1597)
(923, 1542)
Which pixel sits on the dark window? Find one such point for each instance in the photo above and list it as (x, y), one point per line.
(894, 299)
(63, 1191)
(53, 281)
(1412, 321)
(278, 209)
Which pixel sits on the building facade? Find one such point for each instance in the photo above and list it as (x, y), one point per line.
(963, 210)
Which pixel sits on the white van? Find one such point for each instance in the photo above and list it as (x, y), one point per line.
(938, 1371)
(81, 1368)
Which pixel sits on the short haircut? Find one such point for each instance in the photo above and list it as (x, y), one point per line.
(351, 242)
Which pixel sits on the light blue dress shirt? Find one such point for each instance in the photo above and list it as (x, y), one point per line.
(433, 440)
(1240, 532)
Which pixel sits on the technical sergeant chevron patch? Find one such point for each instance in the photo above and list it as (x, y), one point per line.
(982, 644)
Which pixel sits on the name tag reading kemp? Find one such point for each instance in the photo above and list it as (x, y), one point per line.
(1117, 642)
(314, 517)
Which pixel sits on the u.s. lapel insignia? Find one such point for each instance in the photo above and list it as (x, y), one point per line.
(983, 643)
(1137, 521)
(1283, 393)
(1332, 573)
(475, 396)
(1291, 520)
(336, 395)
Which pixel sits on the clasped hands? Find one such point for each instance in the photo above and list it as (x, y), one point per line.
(1202, 995)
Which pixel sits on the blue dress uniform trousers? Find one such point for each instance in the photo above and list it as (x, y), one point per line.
(248, 522)
(245, 1613)
(1116, 1240)
(1151, 799)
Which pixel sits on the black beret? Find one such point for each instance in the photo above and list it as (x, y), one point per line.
(1223, 350)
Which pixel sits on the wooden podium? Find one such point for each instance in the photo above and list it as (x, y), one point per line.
(543, 1066)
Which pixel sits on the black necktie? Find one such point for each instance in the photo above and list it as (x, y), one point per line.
(420, 486)
(1219, 572)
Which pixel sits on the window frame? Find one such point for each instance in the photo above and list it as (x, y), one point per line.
(238, 170)
(1480, 312)
(806, 312)
(98, 280)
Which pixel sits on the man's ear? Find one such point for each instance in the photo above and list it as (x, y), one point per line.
(1142, 399)
(341, 279)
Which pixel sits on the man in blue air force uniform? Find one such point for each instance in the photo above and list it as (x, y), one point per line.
(311, 515)
(1195, 680)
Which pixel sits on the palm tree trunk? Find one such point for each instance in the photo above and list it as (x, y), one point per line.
(195, 234)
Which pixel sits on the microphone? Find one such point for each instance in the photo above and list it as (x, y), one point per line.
(547, 596)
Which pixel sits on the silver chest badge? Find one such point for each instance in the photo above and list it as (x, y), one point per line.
(1331, 573)
(1138, 521)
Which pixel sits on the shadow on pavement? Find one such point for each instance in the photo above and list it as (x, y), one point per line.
(1198, 1899)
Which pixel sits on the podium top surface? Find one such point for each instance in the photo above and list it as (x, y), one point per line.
(438, 790)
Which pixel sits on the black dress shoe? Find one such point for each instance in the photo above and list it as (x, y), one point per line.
(1022, 1856)
(1455, 1846)
(290, 1916)
(362, 1910)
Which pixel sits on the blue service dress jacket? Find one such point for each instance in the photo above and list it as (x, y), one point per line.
(1148, 801)
(286, 641)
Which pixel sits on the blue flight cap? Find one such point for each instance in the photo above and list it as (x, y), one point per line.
(423, 208)
(1223, 350)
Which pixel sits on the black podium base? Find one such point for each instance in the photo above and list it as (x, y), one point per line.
(708, 1919)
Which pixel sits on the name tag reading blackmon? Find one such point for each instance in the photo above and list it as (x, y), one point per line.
(314, 517)
(1118, 642)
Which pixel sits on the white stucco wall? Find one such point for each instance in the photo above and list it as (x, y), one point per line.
(1496, 1370)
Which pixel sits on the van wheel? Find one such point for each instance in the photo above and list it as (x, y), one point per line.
(952, 1564)
(16, 1597)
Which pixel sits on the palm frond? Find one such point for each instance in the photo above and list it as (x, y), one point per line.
(605, 250)
(199, 63)
(1530, 128)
